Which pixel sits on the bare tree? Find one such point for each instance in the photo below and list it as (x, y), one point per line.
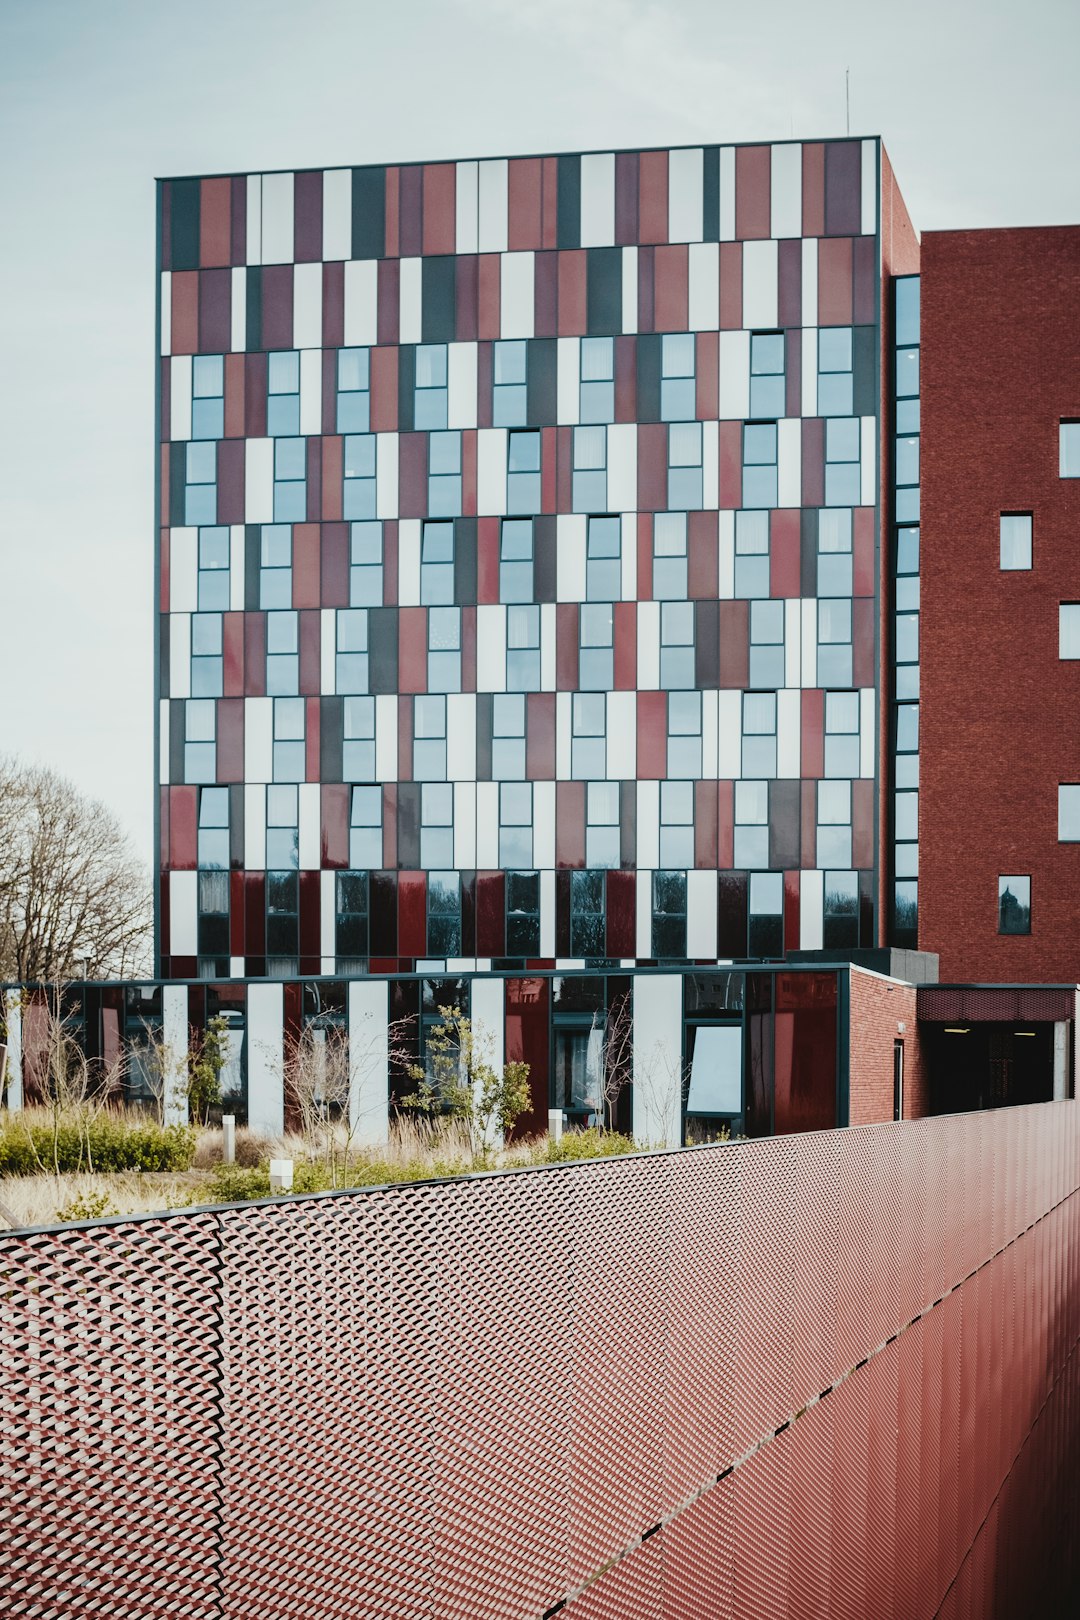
(74, 898)
(326, 1072)
(618, 1058)
(74, 1088)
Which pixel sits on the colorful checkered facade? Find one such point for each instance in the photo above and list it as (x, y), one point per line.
(518, 579)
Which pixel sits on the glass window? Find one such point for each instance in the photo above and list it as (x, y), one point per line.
(596, 658)
(759, 464)
(834, 824)
(588, 740)
(759, 734)
(365, 565)
(437, 564)
(365, 827)
(358, 489)
(282, 654)
(289, 745)
(523, 473)
(751, 824)
(834, 655)
(678, 388)
(676, 824)
(515, 824)
(834, 553)
(444, 649)
(282, 834)
(1015, 536)
(767, 642)
(352, 918)
(1069, 813)
(429, 403)
(200, 745)
(590, 469)
(835, 381)
(716, 1073)
(283, 394)
(766, 931)
(523, 914)
(597, 401)
(207, 396)
(523, 648)
(587, 914)
(290, 480)
(842, 467)
(507, 737)
(282, 922)
(213, 923)
(354, 391)
(684, 734)
(1069, 449)
(841, 908)
(751, 554)
(1069, 630)
(669, 556)
(602, 824)
(1014, 905)
(206, 656)
(516, 560)
(603, 568)
(509, 399)
(676, 644)
(436, 825)
(841, 734)
(768, 389)
(275, 566)
(444, 914)
(351, 674)
(429, 739)
(213, 569)
(669, 915)
(213, 848)
(200, 483)
(684, 466)
(358, 740)
(444, 475)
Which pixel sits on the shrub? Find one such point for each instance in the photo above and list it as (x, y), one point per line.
(116, 1143)
(589, 1144)
(87, 1207)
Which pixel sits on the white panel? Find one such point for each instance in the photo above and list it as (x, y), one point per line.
(183, 911)
(236, 567)
(547, 914)
(657, 1083)
(809, 282)
(183, 571)
(258, 739)
(648, 646)
(166, 312)
(867, 731)
(369, 1063)
(868, 461)
(726, 581)
(174, 1032)
(568, 381)
(516, 300)
(792, 642)
(487, 826)
(759, 280)
(461, 737)
(277, 219)
(643, 914)
(492, 215)
(465, 193)
(265, 1054)
(710, 719)
(259, 480)
(570, 557)
(787, 190)
(548, 665)
(648, 830)
(488, 1008)
(869, 187)
(562, 735)
(386, 738)
(809, 643)
(811, 911)
(361, 316)
(327, 653)
(686, 194)
(729, 735)
(598, 199)
(12, 1009)
(789, 462)
(710, 465)
(809, 369)
(622, 467)
(238, 311)
(629, 290)
(704, 287)
(727, 194)
(490, 648)
(544, 824)
(307, 307)
(254, 219)
(734, 376)
(491, 472)
(622, 736)
(465, 823)
(254, 826)
(337, 215)
(409, 531)
(180, 397)
(328, 915)
(701, 914)
(788, 733)
(386, 475)
(628, 576)
(311, 388)
(411, 306)
(163, 741)
(179, 655)
(308, 796)
(461, 385)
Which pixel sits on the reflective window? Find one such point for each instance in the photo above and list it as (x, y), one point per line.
(684, 466)
(200, 483)
(444, 914)
(515, 824)
(444, 475)
(834, 824)
(596, 655)
(437, 564)
(1014, 905)
(834, 553)
(290, 480)
(597, 389)
(289, 744)
(590, 469)
(351, 672)
(842, 465)
(669, 915)
(768, 388)
(200, 744)
(835, 381)
(275, 566)
(516, 560)
(213, 569)
(603, 568)
(282, 654)
(767, 642)
(213, 836)
(1069, 813)
(523, 648)
(678, 388)
(766, 922)
(358, 489)
(523, 914)
(352, 902)
(429, 401)
(358, 740)
(444, 649)
(206, 655)
(1069, 449)
(365, 827)
(676, 824)
(751, 554)
(841, 734)
(507, 737)
(676, 644)
(1015, 538)
(436, 825)
(684, 734)
(429, 739)
(282, 828)
(283, 394)
(365, 564)
(841, 909)
(759, 734)
(759, 464)
(834, 652)
(282, 923)
(751, 824)
(207, 396)
(669, 556)
(602, 824)
(523, 473)
(354, 391)
(587, 915)
(1069, 630)
(509, 397)
(588, 740)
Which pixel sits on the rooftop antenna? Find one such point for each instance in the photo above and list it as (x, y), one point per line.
(847, 99)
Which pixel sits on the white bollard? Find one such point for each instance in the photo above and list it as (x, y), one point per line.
(228, 1138)
(281, 1171)
(555, 1124)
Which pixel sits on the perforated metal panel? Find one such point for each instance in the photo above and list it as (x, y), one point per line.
(830, 1375)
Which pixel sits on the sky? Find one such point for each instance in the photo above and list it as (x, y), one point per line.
(975, 100)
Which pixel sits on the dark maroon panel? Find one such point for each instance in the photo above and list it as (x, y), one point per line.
(813, 461)
(730, 286)
(753, 192)
(254, 913)
(625, 379)
(671, 288)
(527, 1038)
(389, 299)
(489, 297)
(255, 367)
(813, 189)
(525, 178)
(411, 225)
(734, 644)
(333, 306)
(234, 396)
(439, 203)
(653, 197)
(540, 736)
(335, 824)
(312, 737)
(549, 191)
(625, 651)
(626, 198)
(335, 565)
(834, 281)
(185, 312)
(566, 646)
(843, 188)
(702, 568)
(864, 279)
(238, 234)
(308, 215)
(813, 736)
(652, 467)
(215, 306)
(310, 937)
(467, 296)
(332, 464)
(707, 396)
(230, 489)
(412, 914)
(651, 736)
(785, 552)
(572, 293)
(490, 914)
(254, 654)
(570, 824)
(182, 828)
(705, 825)
(310, 668)
(412, 649)
(789, 284)
(412, 475)
(277, 306)
(730, 465)
(793, 369)
(232, 643)
(646, 283)
(546, 294)
(313, 460)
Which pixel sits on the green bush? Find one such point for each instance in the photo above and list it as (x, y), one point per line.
(115, 1143)
(590, 1144)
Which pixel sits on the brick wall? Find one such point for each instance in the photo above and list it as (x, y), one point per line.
(878, 1005)
(1001, 365)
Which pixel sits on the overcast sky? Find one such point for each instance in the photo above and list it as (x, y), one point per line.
(975, 99)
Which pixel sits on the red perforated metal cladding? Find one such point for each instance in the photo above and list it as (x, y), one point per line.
(825, 1375)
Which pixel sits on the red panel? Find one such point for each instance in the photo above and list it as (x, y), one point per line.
(467, 296)
(566, 646)
(393, 212)
(389, 298)
(308, 216)
(625, 638)
(412, 475)
(549, 202)
(412, 914)
(785, 560)
(730, 465)
(312, 738)
(384, 390)
(843, 188)
(183, 828)
(813, 189)
(671, 288)
(524, 210)
(310, 933)
(549, 469)
(652, 467)
(791, 927)
(412, 649)
(484, 384)
(215, 311)
(254, 654)
(731, 269)
(333, 306)
(230, 487)
(834, 281)
(184, 309)
(334, 850)
(215, 223)
(310, 640)
(707, 353)
(813, 461)
(333, 463)
(651, 736)
(527, 1013)
(490, 297)
(705, 825)
(862, 823)
(564, 440)
(440, 222)
(277, 306)
(234, 396)
(487, 559)
(644, 556)
(793, 368)
(862, 638)
(232, 648)
(468, 473)
(305, 565)
(230, 740)
(255, 395)
(410, 225)
(625, 380)
(813, 734)
(335, 565)
(239, 219)
(572, 272)
(540, 736)
(653, 197)
(491, 914)
(789, 302)
(622, 914)
(165, 398)
(254, 914)
(546, 294)
(753, 192)
(864, 279)
(734, 644)
(702, 556)
(570, 824)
